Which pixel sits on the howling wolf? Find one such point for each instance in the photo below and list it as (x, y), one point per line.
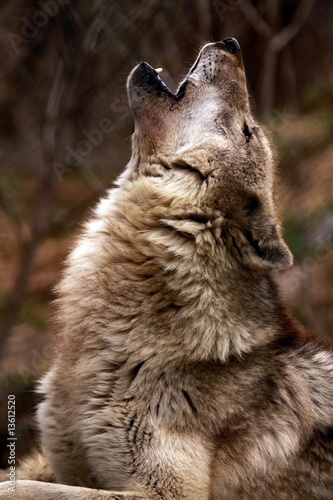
(178, 373)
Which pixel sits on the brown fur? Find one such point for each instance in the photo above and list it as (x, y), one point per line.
(178, 374)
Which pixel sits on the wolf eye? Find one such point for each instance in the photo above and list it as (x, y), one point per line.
(164, 165)
(247, 133)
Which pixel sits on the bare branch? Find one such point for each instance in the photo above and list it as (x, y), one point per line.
(14, 218)
(282, 38)
(204, 16)
(72, 214)
(15, 299)
(257, 22)
(38, 230)
(99, 20)
(52, 108)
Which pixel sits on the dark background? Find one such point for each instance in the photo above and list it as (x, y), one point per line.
(65, 132)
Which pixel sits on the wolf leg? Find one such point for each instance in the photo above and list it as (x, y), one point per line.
(35, 490)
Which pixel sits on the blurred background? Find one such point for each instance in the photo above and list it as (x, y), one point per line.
(65, 132)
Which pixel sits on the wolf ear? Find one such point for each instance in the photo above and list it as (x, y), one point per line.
(252, 237)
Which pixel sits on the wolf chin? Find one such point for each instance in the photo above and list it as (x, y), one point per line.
(178, 374)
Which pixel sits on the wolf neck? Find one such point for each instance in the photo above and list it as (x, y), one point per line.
(178, 303)
(222, 313)
(199, 312)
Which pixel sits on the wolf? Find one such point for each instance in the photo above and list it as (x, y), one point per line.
(178, 373)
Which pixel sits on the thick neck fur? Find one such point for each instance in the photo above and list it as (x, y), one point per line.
(131, 267)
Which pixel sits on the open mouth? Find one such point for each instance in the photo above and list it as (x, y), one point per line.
(152, 79)
(150, 76)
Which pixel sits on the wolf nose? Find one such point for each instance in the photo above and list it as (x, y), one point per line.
(231, 45)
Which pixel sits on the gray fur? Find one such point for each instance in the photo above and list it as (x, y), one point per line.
(178, 373)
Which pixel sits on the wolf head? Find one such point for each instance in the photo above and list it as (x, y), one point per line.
(208, 156)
